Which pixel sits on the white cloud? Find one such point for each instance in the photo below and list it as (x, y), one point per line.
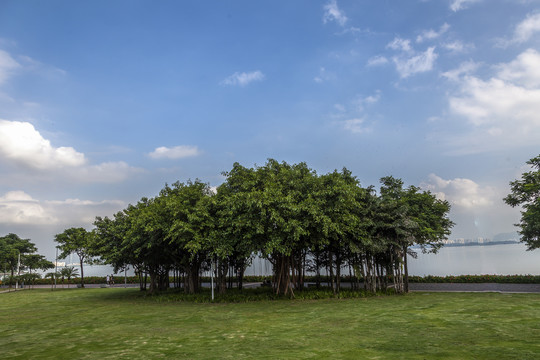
(457, 46)
(513, 95)
(333, 13)
(524, 70)
(465, 68)
(107, 172)
(355, 117)
(355, 126)
(360, 102)
(502, 111)
(78, 202)
(243, 79)
(457, 5)
(485, 102)
(17, 207)
(410, 62)
(523, 32)
(423, 62)
(461, 192)
(7, 65)
(323, 76)
(527, 28)
(377, 61)
(22, 143)
(477, 209)
(177, 152)
(400, 44)
(432, 34)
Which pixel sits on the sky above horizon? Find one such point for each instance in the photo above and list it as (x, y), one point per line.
(103, 102)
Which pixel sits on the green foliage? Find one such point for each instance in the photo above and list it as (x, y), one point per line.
(526, 193)
(13, 249)
(78, 241)
(124, 324)
(298, 220)
(259, 294)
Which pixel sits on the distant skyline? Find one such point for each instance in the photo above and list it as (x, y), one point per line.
(102, 103)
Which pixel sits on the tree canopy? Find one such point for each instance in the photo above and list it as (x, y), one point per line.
(11, 246)
(286, 213)
(75, 240)
(525, 192)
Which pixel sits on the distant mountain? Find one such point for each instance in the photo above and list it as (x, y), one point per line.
(511, 236)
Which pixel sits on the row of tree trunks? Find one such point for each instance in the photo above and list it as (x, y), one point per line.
(289, 272)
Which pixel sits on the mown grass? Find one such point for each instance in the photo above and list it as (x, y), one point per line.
(119, 323)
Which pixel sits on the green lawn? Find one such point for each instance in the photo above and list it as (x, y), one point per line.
(118, 323)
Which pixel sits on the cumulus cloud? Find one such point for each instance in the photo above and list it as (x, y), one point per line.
(409, 62)
(465, 68)
(400, 44)
(21, 143)
(7, 65)
(457, 46)
(17, 207)
(423, 62)
(461, 192)
(477, 209)
(496, 100)
(20, 208)
(457, 5)
(527, 28)
(513, 95)
(523, 71)
(377, 61)
(502, 111)
(333, 13)
(243, 78)
(177, 152)
(432, 34)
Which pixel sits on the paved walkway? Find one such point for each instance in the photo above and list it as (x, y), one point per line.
(440, 287)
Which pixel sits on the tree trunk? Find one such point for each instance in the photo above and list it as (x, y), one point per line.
(82, 271)
(241, 271)
(331, 268)
(405, 270)
(282, 270)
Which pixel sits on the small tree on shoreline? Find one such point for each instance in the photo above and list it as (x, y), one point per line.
(526, 193)
(75, 240)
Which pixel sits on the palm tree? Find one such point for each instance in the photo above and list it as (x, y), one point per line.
(53, 276)
(68, 272)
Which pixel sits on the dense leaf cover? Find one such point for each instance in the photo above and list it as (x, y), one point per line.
(300, 221)
(526, 192)
(13, 248)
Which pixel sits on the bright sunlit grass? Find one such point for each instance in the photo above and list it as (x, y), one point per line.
(119, 323)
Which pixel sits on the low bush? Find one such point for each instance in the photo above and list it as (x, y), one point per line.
(505, 279)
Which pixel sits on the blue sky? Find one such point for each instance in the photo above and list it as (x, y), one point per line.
(103, 102)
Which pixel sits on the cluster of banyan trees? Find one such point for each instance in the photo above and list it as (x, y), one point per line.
(302, 222)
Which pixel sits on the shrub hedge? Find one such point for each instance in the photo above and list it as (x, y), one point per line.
(505, 279)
